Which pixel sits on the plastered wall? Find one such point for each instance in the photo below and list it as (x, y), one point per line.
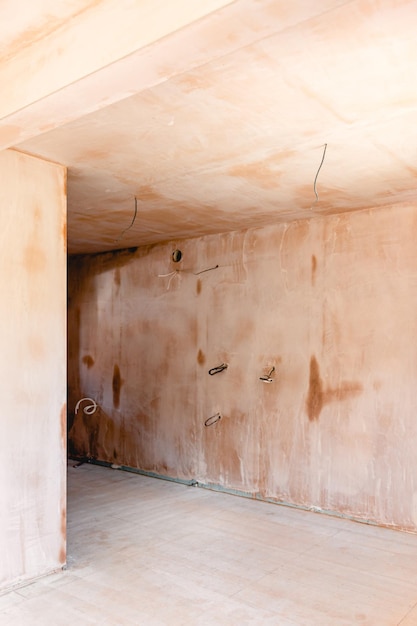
(33, 367)
(330, 303)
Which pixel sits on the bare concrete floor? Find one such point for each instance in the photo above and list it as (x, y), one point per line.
(143, 551)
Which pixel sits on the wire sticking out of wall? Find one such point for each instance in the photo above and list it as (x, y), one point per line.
(218, 369)
(171, 275)
(132, 222)
(207, 270)
(89, 409)
(213, 419)
(267, 378)
(317, 175)
(183, 271)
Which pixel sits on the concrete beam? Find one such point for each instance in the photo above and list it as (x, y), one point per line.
(118, 48)
(81, 65)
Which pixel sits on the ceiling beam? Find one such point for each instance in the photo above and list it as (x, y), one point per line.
(67, 62)
(118, 48)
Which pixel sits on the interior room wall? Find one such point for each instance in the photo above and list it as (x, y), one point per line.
(329, 302)
(33, 367)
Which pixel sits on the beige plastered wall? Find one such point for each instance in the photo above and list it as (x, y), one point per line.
(33, 367)
(330, 303)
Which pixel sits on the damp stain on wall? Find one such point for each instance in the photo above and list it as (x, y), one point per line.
(313, 269)
(201, 357)
(315, 395)
(318, 397)
(88, 360)
(116, 386)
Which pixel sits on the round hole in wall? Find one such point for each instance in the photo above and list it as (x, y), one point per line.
(176, 256)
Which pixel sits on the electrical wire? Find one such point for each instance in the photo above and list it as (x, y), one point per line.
(170, 280)
(132, 222)
(218, 369)
(207, 270)
(267, 378)
(317, 175)
(171, 275)
(213, 419)
(88, 410)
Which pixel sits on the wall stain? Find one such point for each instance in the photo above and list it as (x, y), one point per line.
(198, 287)
(315, 391)
(116, 384)
(62, 555)
(313, 269)
(117, 278)
(318, 397)
(264, 173)
(147, 192)
(201, 357)
(47, 27)
(191, 81)
(88, 360)
(345, 391)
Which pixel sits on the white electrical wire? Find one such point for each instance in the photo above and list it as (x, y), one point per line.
(90, 409)
(171, 275)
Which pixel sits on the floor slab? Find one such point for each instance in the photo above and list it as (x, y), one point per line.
(143, 551)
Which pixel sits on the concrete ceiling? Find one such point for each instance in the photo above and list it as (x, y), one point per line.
(234, 136)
